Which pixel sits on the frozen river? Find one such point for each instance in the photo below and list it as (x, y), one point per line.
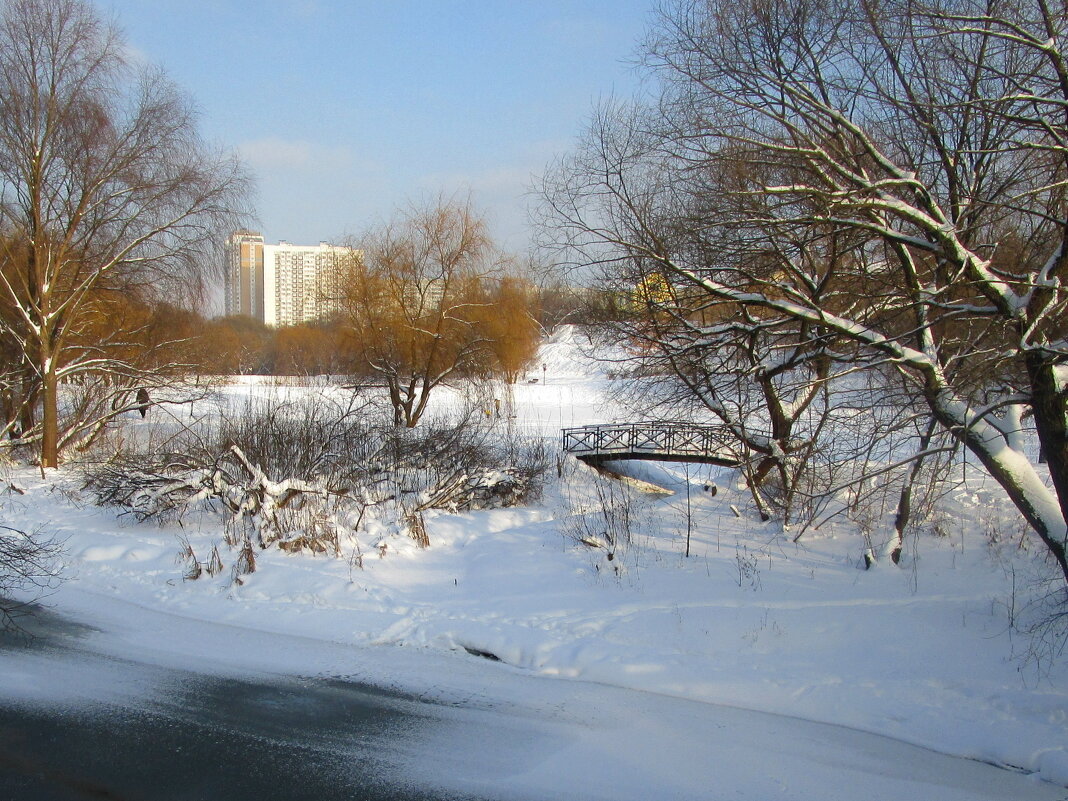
(93, 709)
(211, 739)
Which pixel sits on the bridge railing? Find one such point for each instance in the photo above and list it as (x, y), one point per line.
(671, 439)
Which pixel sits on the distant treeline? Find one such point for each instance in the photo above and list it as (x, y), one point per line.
(510, 322)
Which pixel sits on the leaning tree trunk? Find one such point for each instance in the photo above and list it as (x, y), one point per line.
(904, 501)
(1025, 488)
(1049, 405)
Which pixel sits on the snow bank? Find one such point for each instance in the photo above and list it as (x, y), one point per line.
(922, 653)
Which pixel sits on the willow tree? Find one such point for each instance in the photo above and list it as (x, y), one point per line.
(507, 318)
(105, 186)
(411, 300)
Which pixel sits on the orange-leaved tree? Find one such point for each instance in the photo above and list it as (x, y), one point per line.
(412, 297)
(508, 321)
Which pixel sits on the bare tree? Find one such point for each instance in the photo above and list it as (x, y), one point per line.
(411, 298)
(105, 187)
(936, 132)
(624, 210)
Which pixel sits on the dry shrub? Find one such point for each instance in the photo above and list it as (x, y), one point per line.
(604, 514)
(294, 474)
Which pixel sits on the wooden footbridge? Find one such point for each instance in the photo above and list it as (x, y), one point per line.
(654, 441)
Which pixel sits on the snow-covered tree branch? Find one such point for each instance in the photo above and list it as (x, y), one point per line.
(896, 131)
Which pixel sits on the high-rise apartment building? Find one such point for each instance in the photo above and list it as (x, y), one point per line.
(294, 283)
(301, 283)
(244, 274)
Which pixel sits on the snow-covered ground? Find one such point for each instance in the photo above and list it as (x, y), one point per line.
(922, 653)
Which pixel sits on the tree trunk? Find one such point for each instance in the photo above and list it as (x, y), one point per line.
(1023, 485)
(49, 416)
(904, 501)
(1049, 404)
(781, 428)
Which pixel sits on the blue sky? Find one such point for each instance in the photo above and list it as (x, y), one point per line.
(346, 110)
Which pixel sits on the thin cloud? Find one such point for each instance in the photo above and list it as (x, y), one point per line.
(135, 56)
(275, 153)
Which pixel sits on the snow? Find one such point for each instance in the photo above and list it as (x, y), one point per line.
(922, 653)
